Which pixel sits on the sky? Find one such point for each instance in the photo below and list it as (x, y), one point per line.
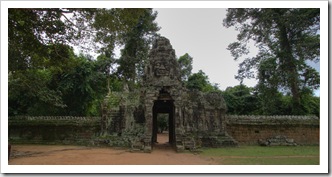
(200, 33)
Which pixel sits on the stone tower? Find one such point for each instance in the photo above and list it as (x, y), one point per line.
(162, 68)
(162, 89)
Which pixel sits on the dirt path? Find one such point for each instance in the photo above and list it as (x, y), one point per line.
(162, 154)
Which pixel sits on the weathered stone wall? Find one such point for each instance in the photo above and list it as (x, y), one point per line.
(204, 112)
(87, 130)
(53, 130)
(123, 120)
(202, 121)
(249, 129)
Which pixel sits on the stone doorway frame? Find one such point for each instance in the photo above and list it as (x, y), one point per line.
(164, 106)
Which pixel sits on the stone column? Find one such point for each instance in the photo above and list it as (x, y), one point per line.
(148, 123)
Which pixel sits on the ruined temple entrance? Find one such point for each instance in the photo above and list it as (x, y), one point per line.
(164, 105)
(194, 119)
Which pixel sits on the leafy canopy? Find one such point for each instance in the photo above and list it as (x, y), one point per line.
(186, 67)
(47, 78)
(286, 39)
(200, 81)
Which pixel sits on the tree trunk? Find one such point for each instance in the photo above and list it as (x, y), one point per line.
(288, 63)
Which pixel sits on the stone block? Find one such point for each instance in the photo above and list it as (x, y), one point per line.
(147, 149)
(179, 148)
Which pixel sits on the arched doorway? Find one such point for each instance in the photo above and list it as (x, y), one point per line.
(164, 105)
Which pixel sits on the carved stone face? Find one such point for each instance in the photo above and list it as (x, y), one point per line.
(161, 68)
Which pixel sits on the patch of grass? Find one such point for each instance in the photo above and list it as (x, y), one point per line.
(263, 151)
(271, 161)
(259, 155)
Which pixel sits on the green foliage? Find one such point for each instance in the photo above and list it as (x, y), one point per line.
(241, 100)
(29, 90)
(200, 81)
(37, 55)
(37, 36)
(185, 63)
(113, 99)
(136, 44)
(133, 135)
(45, 76)
(273, 102)
(104, 64)
(114, 25)
(76, 89)
(286, 39)
(197, 81)
(162, 122)
(115, 84)
(310, 104)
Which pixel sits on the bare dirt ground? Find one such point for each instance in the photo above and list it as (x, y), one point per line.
(162, 154)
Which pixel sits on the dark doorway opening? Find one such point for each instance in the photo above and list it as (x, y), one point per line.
(163, 108)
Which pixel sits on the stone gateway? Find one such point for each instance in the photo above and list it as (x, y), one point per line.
(194, 118)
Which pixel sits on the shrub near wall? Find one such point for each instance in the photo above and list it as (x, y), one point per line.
(53, 130)
(249, 129)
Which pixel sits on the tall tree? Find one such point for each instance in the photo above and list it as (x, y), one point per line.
(32, 33)
(186, 67)
(45, 76)
(37, 50)
(286, 39)
(83, 84)
(137, 44)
